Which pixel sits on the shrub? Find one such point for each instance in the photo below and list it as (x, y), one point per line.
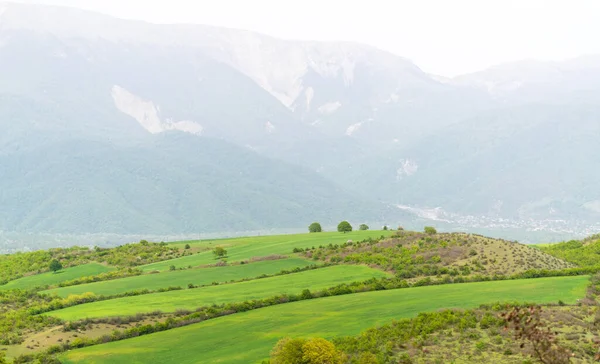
(430, 230)
(219, 252)
(321, 351)
(288, 351)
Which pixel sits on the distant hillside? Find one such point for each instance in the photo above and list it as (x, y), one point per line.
(165, 185)
(334, 126)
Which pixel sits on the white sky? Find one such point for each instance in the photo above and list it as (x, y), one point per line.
(446, 37)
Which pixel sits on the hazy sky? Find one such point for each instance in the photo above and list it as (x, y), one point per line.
(445, 37)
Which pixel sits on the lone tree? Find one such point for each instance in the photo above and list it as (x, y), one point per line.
(344, 227)
(55, 266)
(385, 227)
(219, 252)
(187, 246)
(430, 230)
(363, 227)
(315, 227)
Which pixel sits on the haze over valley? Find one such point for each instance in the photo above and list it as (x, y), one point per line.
(124, 127)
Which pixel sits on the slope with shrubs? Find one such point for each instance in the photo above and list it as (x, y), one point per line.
(496, 333)
(584, 253)
(239, 249)
(413, 254)
(18, 265)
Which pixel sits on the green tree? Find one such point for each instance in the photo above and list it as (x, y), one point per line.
(344, 227)
(55, 266)
(430, 230)
(219, 252)
(315, 227)
(363, 227)
(385, 227)
(187, 246)
(288, 351)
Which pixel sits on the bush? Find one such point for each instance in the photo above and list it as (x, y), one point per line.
(219, 252)
(321, 351)
(288, 351)
(430, 230)
(187, 246)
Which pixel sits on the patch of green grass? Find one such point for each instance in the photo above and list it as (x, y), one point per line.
(236, 292)
(260, 246)
(199, 277)
(248, 337)
(46, 279)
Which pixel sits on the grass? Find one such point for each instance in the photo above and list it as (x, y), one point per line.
(259, 246)
(248, 337)
(49, 279)
(200, 276)
(237, 292)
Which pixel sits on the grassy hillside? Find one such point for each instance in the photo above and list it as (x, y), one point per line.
(329, 301)
(49, 279)
(412, 254)
(585, 253)
(191, 299)
(198, 277)
(125, 256)
(475, 336)
(248, 337)
(245, 248)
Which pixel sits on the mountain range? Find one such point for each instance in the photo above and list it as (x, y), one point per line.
(122, 126)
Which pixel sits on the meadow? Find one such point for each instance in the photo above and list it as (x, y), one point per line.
(190, 299)
(181, 278)
(239, 249)
(50, 278)
(248, 337)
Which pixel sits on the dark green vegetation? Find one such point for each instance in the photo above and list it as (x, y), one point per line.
(137, 302)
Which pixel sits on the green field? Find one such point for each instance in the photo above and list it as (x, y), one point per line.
(228, 293)
(46, 279)
(260, 246)
(248, 337)
(199, 276)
